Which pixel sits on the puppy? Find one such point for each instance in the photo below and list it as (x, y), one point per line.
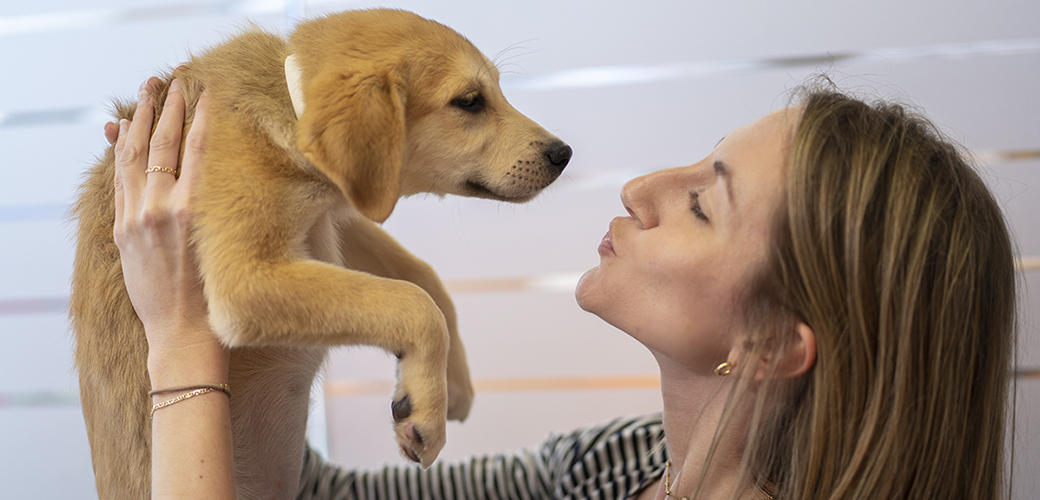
(387, 104)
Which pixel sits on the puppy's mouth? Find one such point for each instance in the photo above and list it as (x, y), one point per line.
(479, 190)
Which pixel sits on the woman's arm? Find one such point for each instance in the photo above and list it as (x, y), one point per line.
(191, 439)
(615, 460)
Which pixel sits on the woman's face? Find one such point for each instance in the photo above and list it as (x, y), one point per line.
(671, 272)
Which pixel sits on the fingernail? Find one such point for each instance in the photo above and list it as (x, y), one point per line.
(124, 125)
(176, 85)
(146, 90)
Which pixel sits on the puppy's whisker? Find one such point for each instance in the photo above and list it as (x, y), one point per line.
(512, 47)
(485, 67)
(520, 70)
(501, 57)
(514, 56)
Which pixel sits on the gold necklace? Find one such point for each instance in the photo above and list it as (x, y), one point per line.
(668, 487)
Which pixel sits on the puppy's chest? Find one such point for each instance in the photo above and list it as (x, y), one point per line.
(271, 387)
(322, 240)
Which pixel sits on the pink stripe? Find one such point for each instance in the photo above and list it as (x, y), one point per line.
(34, 306)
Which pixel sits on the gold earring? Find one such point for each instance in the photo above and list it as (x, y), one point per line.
(724, 369)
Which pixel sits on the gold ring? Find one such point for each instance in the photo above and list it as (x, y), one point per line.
(157, 168)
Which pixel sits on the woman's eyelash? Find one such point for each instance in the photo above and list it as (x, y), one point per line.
(695, 206)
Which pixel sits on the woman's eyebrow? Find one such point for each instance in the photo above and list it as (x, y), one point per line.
(723, 174)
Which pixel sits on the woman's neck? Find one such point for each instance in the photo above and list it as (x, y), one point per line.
(693, 406)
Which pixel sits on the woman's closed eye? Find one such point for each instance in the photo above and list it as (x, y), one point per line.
(695, 206)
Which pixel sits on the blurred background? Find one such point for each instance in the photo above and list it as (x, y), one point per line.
(632, 86)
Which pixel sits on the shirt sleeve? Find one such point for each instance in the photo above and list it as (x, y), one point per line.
(562, 467)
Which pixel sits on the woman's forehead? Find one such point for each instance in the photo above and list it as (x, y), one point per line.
(759, 148)
(754, 159)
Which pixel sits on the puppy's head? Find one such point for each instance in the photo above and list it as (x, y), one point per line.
(398, 105)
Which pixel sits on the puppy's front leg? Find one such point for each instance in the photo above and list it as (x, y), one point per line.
(367, 247)
(305, 302)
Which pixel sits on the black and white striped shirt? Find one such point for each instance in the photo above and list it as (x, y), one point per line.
(612, 461)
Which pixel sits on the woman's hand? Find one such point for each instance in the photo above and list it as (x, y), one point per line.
(191, 441)
(152, 231)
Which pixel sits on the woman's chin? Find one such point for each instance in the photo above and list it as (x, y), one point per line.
(583, 291)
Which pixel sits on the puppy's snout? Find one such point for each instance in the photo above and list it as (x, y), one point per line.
(559, 154)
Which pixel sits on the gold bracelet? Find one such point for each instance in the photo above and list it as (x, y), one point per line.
(217, 387)
(182, 397)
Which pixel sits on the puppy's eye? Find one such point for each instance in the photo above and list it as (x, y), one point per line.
(472, 102)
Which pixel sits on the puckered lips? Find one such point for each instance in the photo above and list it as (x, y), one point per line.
(606, 246)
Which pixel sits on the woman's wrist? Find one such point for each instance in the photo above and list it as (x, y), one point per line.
(203, 362)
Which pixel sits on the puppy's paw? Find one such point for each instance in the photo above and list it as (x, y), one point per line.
(227, 329)
(420, 407)
(420, 437)
(411, 443)
(460, 398)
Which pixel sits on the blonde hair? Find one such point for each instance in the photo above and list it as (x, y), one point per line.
(892, 250)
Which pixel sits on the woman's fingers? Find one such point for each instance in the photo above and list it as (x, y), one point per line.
(123, 126)
(194, 148)
(131, 152)
(164, 149)
(149, 198)
(111, 132)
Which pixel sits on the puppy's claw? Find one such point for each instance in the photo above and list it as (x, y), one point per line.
(409, 454)
(412, 446)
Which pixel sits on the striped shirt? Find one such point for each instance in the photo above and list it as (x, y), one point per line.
(612, 461)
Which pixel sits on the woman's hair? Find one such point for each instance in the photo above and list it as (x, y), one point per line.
(892, 250)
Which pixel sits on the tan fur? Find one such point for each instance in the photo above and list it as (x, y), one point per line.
(290, 265)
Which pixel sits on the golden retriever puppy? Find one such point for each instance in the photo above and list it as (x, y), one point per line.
(388, 104)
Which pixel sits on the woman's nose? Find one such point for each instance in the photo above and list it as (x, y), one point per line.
(642, 196)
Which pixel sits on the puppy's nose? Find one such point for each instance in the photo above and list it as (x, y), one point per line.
(558, 153)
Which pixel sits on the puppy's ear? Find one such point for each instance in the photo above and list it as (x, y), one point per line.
(353, 130)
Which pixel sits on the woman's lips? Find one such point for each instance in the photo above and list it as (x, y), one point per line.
(606, 246)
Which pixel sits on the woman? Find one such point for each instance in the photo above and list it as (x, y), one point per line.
(829, 295)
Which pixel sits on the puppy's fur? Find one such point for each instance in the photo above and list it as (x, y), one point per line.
(291, 259)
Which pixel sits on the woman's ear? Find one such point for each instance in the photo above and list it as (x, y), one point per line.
(797, 358)
(801, 355)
